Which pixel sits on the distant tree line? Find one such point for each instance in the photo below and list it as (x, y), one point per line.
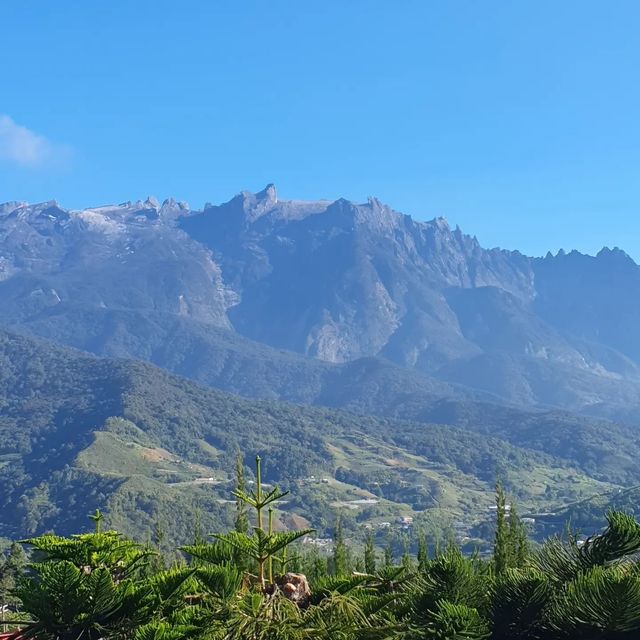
(253, 583)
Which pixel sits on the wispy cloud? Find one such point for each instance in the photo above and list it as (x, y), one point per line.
(25, 148)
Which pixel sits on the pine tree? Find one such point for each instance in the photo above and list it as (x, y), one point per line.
(406, 557)
(264, 545)
(340, 559)
(94, 585)
(369, 553)
(12, 568)
(157, 562)
(17, 560)
(198, 534)
(518, 539)
(159, 534)
(319, 568)
(423, 550)
(97, 517)
(501, 549)
(388, 553)
(241, 523)
(313, 565)
(5, 586)
(270, 533)
(293, 563)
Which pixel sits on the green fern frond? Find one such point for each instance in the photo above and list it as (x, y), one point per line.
(220, 582)
(218, 552)
(519, 598)
(603, 601)
(456, 622)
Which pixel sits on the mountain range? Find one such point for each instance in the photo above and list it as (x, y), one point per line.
(334, 281)
(348, 306)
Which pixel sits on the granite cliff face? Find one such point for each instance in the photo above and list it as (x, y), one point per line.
(130, 256)
(334, 281)
(338, 280)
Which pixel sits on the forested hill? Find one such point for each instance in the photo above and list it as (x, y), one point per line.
(79, 432)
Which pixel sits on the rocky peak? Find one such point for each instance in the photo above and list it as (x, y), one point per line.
(172, 209)
(8, 207)
(152, 202)
(372, 214)
(269, 194)
(32, 212)
(441, 224)
(256, 205)
(615, 255)
(380, 214)
(172, 203)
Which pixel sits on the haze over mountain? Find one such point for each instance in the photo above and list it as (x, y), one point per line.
(246, 285)
(79, 432)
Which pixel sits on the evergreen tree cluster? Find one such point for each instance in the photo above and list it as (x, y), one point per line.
(253, 583)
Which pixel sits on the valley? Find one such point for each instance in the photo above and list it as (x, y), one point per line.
(398, 361)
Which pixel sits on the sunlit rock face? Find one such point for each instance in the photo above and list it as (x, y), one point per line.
(331, 280)
(129, 256)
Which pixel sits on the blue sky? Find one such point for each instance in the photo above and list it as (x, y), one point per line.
(519, 121)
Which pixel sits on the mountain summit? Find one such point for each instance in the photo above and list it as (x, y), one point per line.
(331, 280)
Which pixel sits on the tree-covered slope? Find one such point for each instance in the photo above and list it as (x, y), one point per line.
(223, 359)
(79, 432)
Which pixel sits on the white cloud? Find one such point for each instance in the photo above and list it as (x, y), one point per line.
(25, 148)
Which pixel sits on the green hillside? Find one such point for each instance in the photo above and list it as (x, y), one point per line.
(225, 360)
(79, 432)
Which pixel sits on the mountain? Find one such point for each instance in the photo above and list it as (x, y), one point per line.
(249, 284)
(105, 258)
(79, 432)
(338, 281)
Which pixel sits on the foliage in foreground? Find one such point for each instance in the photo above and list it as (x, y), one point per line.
(101, 585)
